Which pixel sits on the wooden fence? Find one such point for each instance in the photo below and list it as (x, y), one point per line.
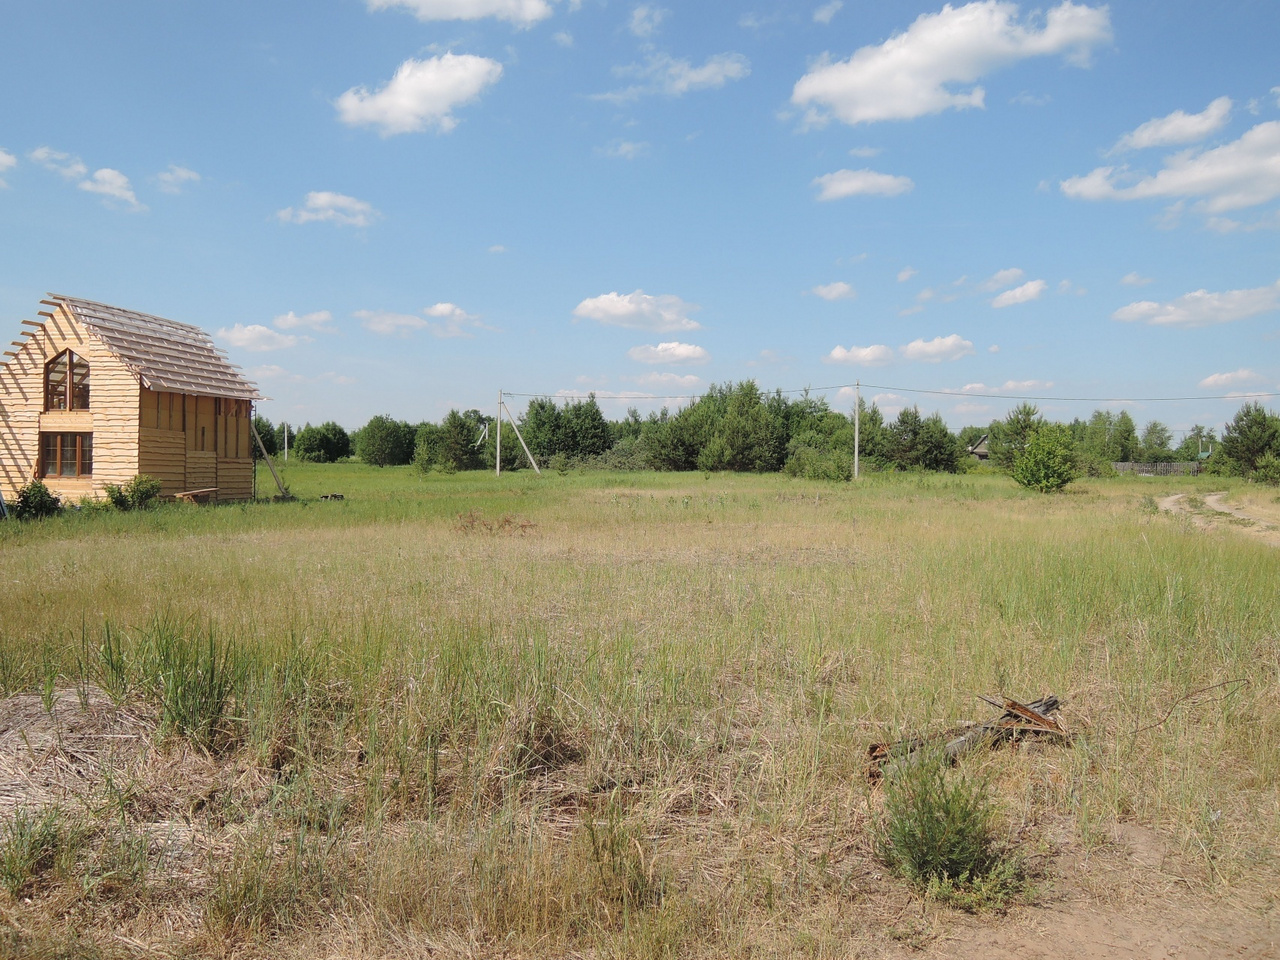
(1159, 469)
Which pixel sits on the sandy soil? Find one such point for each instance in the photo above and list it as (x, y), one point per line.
(1217, 514)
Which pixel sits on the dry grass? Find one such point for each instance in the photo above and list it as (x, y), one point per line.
(620, 716)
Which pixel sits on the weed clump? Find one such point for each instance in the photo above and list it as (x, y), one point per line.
(938, 831)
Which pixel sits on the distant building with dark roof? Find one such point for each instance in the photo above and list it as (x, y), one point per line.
(93, 395)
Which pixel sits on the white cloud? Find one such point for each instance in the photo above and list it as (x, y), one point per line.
(72, 168)
(835, 291)
(828, 10)
(623, 149)
(1243, 173)
(639, 311)
(1234, 379)
(994, 348)
(258, 338)
(326, 206)
(387, 323)
(1029, 291)
(876, 355)
(173, 179)
(1135, 279)
(113, 184)
(1003, 278)
(1022, 386)
(645, 20)
(497, 248)
(1177, 127)
(564, 38)
(423, 93)
(1202, 308)
(7, 162)
(906, 273)
(523, 13)
(917, 72)
(663, 74)
(864, 152)
(850, 183)
(672, 352)
(889, 404)
(320, 320)
(938, 349)
(273, 371)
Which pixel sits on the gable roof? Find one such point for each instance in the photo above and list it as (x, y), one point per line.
(162, 354)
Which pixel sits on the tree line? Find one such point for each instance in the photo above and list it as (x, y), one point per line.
(738, 427)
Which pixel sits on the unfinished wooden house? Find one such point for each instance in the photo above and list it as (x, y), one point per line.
(93, 395)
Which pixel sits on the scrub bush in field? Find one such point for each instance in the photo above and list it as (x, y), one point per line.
(35, 501)
(938, 832)
(137, 494)
(1048, 462)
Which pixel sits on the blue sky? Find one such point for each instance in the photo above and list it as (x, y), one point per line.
(402, 206)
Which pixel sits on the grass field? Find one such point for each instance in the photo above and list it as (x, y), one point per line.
(611, 714)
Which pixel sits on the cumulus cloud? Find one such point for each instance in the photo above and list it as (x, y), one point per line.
(111, 184)
(272, 371)
(665, 75)
(835, 291)
(7, 162)
(672, 352)
(890, 404)
(72, 168)
(258, 338)
(1003, 278)
(852, 183)
(645, 20)
(938, 349)
(930, 67)
(1177, 127)
(325, 206)
(663, 313)
(1201, 308)
(876, 355)
(522, 13)
(906, 273)
(1242, 173)
(1235, 378)
(422, 94)
(1029, 291)
(320, 320)
(445, 321)
(1135, 279)
(175, 178)
(828, 10)
(564, 38)
(623, 149)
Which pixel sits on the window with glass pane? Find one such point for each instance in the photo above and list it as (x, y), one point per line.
(56, 383)
(66, 383)
(66, 454)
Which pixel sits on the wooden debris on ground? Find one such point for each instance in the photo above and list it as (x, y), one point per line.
(1018, 721)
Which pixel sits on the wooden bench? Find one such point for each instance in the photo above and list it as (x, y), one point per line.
(196, 496)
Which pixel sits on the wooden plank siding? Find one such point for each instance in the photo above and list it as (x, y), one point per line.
(186, 442)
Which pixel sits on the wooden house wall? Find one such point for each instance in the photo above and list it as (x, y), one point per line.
(184, 441)
(111, 418)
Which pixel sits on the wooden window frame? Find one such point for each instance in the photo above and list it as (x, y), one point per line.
(53, 471)
(74, 360)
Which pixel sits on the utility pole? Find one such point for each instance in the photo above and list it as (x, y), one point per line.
(286, 443)
(857, 424)
(497, 456)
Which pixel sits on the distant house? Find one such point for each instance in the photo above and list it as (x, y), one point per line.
(93, 395)
(979, 449)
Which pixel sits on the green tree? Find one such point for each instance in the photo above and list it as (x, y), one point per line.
(267, 431)
(1009, 437)
(386, 442)
(1156, 443)
(326, 443)
(456, 441)
(586, 432)
(1047, 463)
(1198, 441)
(1124, 436)
(1252, 433)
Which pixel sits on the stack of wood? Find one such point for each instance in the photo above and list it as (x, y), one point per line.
(1017, 722)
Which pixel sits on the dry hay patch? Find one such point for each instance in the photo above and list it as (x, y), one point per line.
(62, 749)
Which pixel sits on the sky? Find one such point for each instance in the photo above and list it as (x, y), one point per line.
(405, 206)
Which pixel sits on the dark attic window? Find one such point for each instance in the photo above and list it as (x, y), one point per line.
(66, 383)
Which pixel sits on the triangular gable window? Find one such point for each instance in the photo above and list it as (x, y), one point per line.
(66, 382)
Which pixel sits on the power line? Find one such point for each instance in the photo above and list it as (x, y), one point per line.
(941, 393)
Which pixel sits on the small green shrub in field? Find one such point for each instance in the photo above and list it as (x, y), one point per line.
(137, 494)
(1268, 469)
(938, 831)
(1048, 461)
(35, 501)
(29, 844)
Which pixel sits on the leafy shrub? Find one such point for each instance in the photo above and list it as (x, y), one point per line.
(1047, 462)
(810, 463)
(35, 501)
(137, 494)
(1268, 469)
(938, 831)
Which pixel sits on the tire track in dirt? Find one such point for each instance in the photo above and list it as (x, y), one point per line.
(1215, 511)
